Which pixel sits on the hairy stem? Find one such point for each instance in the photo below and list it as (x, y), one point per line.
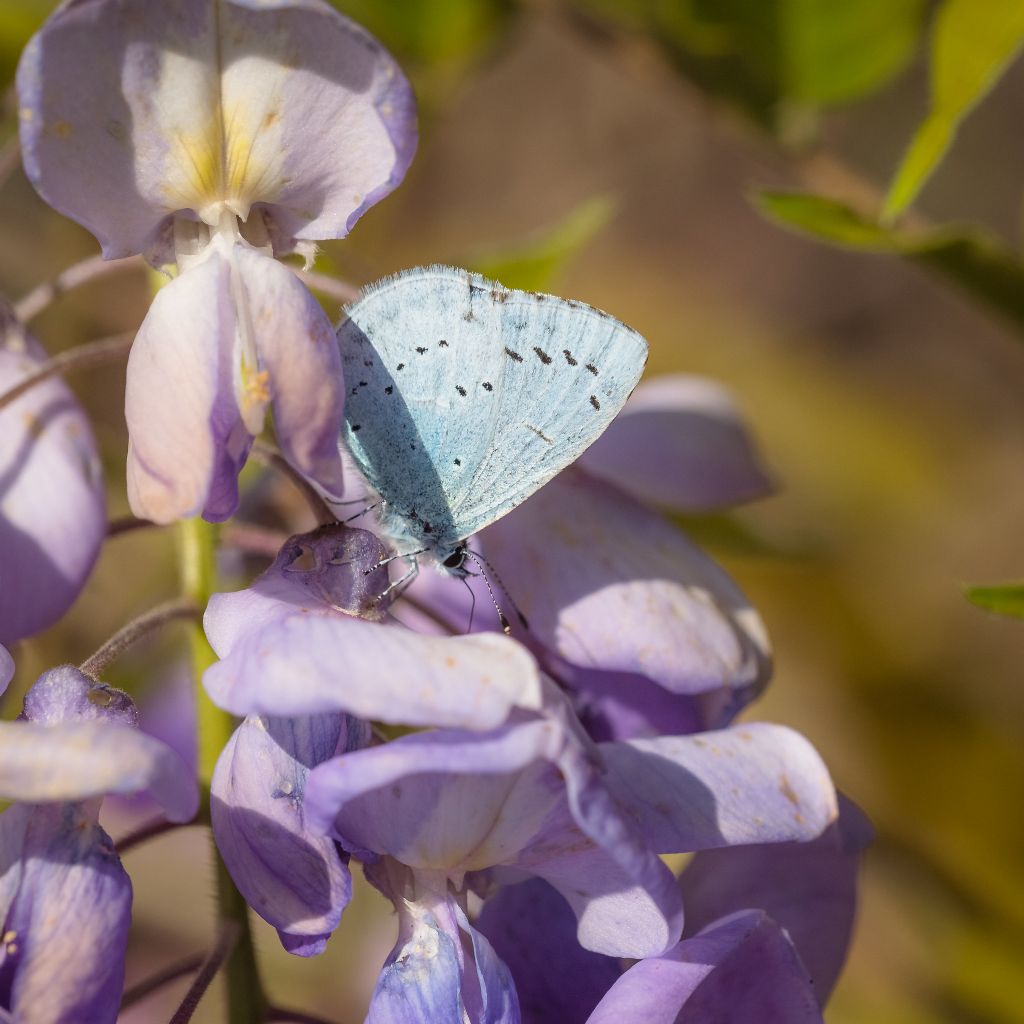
(329, 286)
(271, 457)
(29, 306)
(227, 941)
(95, 353)
(155, 982)
(148, 622)
(197, 557)
(151, 830)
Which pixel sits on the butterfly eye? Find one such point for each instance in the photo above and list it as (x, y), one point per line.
(456, 559)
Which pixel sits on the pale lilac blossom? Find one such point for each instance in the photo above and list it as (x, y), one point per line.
(65, 900)
(53, 512)
(211, 137)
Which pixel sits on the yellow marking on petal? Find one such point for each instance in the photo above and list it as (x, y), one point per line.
(26, 114)
(12, 948)
(256, 387)
(9, 937)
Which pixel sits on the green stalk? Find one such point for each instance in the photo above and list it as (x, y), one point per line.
(197, 558)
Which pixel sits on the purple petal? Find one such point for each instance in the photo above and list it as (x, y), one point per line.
(186, 442)
(331, 570)
(680, 443)
(808, 888)
(81, 760)
(53, 515)
(625, 899)
(293, 879)
(609, 585)
(447, 800)
(66, 906)
(314, 121)
(441, 969)
(743, 970)
(533, 931)
(749, 784)
(309, 664)
(65, 694)
(299, 352)
(6, 668)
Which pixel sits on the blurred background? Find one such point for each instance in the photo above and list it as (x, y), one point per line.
(608, 151)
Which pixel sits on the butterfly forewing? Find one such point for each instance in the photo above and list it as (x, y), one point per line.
(465, 397)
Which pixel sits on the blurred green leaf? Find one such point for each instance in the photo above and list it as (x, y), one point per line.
(535, 265)
(770, 57)
(973, 259)
(19, 19)
(1004, 598)
(973, 43)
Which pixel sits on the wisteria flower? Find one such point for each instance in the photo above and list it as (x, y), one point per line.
(65, 900)
(651, 635)
(53, 511)
(808, 889)
(212, 136)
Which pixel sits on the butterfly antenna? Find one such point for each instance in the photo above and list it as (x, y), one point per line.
(472, 603)
(497, 579)
(368, 508)
(506, 626)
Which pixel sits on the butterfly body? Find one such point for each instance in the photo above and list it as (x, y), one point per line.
(464, 397)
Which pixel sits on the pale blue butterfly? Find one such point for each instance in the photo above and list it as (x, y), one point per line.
(464, 397)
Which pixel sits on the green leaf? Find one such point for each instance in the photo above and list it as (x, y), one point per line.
(1004, 598)
(774, 58)
(973, 259)
(19, 19)
(973, 43)
(535, 265)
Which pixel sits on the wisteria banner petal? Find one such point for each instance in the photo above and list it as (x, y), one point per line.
(65, 903)
(293, 879)
(680, 443)
(53, 511)
(810, 889)
(187, 441)
(81, 760)
(202, 107)
(610, 585)
(306, 665)
(742, 970)
(754, 783)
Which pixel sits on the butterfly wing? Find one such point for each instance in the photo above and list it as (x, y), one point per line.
(465, 397)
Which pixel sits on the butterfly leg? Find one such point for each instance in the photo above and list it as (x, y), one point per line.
(404, 581)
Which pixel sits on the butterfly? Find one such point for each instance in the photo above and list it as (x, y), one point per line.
(465, 397)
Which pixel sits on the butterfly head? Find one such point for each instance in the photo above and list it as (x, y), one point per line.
(454, 563)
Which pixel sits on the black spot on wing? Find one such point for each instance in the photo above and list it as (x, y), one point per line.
(420, 349)
(514, 356)
(389, 390)
(442, 343)
(542, 355)
(400, 366)
(569, 358)
(594, 402)
(488, 386)
(461, 390)
(592, 368)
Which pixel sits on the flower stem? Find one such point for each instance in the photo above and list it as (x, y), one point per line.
(246, 1003)
(95, 353)
(148, 622)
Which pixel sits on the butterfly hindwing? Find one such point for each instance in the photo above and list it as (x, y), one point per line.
(465, 396)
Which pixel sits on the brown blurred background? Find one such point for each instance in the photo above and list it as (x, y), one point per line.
(891, 410)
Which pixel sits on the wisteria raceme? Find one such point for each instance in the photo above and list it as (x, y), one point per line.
(512, 797)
